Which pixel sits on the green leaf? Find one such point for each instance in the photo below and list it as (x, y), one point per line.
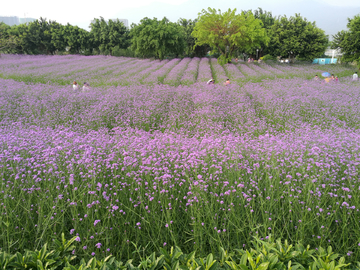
(263, 266)
(175, 266)
(40, 265)
(243, 267)
(244, 258)
(209, 259)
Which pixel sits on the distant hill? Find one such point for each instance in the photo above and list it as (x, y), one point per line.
(328, 17)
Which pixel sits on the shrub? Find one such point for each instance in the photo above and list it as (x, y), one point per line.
(116, 51)
(264, 255)
(268, 57)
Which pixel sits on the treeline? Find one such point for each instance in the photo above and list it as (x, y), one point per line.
(49, 37)
(247, 34)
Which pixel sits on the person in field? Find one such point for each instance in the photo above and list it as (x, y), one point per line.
(355, 76)
(211, 81)
(227, 82)
(76, 86)
(86, 87)
(316, 78)
(336, 79)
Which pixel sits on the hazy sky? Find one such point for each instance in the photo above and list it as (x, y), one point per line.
(329, 14)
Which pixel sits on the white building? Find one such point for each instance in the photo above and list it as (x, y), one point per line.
(14, 20)
(333, 53)
(124, 21)
(10, 20)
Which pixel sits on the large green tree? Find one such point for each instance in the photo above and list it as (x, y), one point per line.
(296, 37)
(105, 35)
(77, 39)
(190, 49)
(38, 37)
(349, 41)
(337, 39)
(268, 21)
(157, 38)
(44, 37)
(229, 32)
(71, 38)
(7, 42)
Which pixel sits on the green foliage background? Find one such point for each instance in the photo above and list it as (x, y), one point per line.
(248, 34)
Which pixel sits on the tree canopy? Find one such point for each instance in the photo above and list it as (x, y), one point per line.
(154, 38)
(190, 49)
(349, 41)
(7, 42)
(296, 37)
(268, 21)
(38, 37)
(227, 32)
(106, 35)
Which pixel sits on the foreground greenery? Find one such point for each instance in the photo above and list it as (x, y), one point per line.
(262, 255)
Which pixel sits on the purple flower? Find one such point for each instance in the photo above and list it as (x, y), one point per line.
(96, 222)
(98, 245)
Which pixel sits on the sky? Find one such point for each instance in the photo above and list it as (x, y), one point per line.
(330, 15)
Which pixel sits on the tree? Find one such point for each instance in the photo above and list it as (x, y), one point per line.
(297, 37)
(77, 40)
(38, 37)
(41, 30)
(227, 32)
(107, 35)
(7, 42)
(190, 50)
(44, 37)
(58, 37)
(28, 42)
(349, 41)
(268, 21)
(154, 38)
(337, 39)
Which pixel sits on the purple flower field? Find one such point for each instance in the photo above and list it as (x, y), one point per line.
(198, 166)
